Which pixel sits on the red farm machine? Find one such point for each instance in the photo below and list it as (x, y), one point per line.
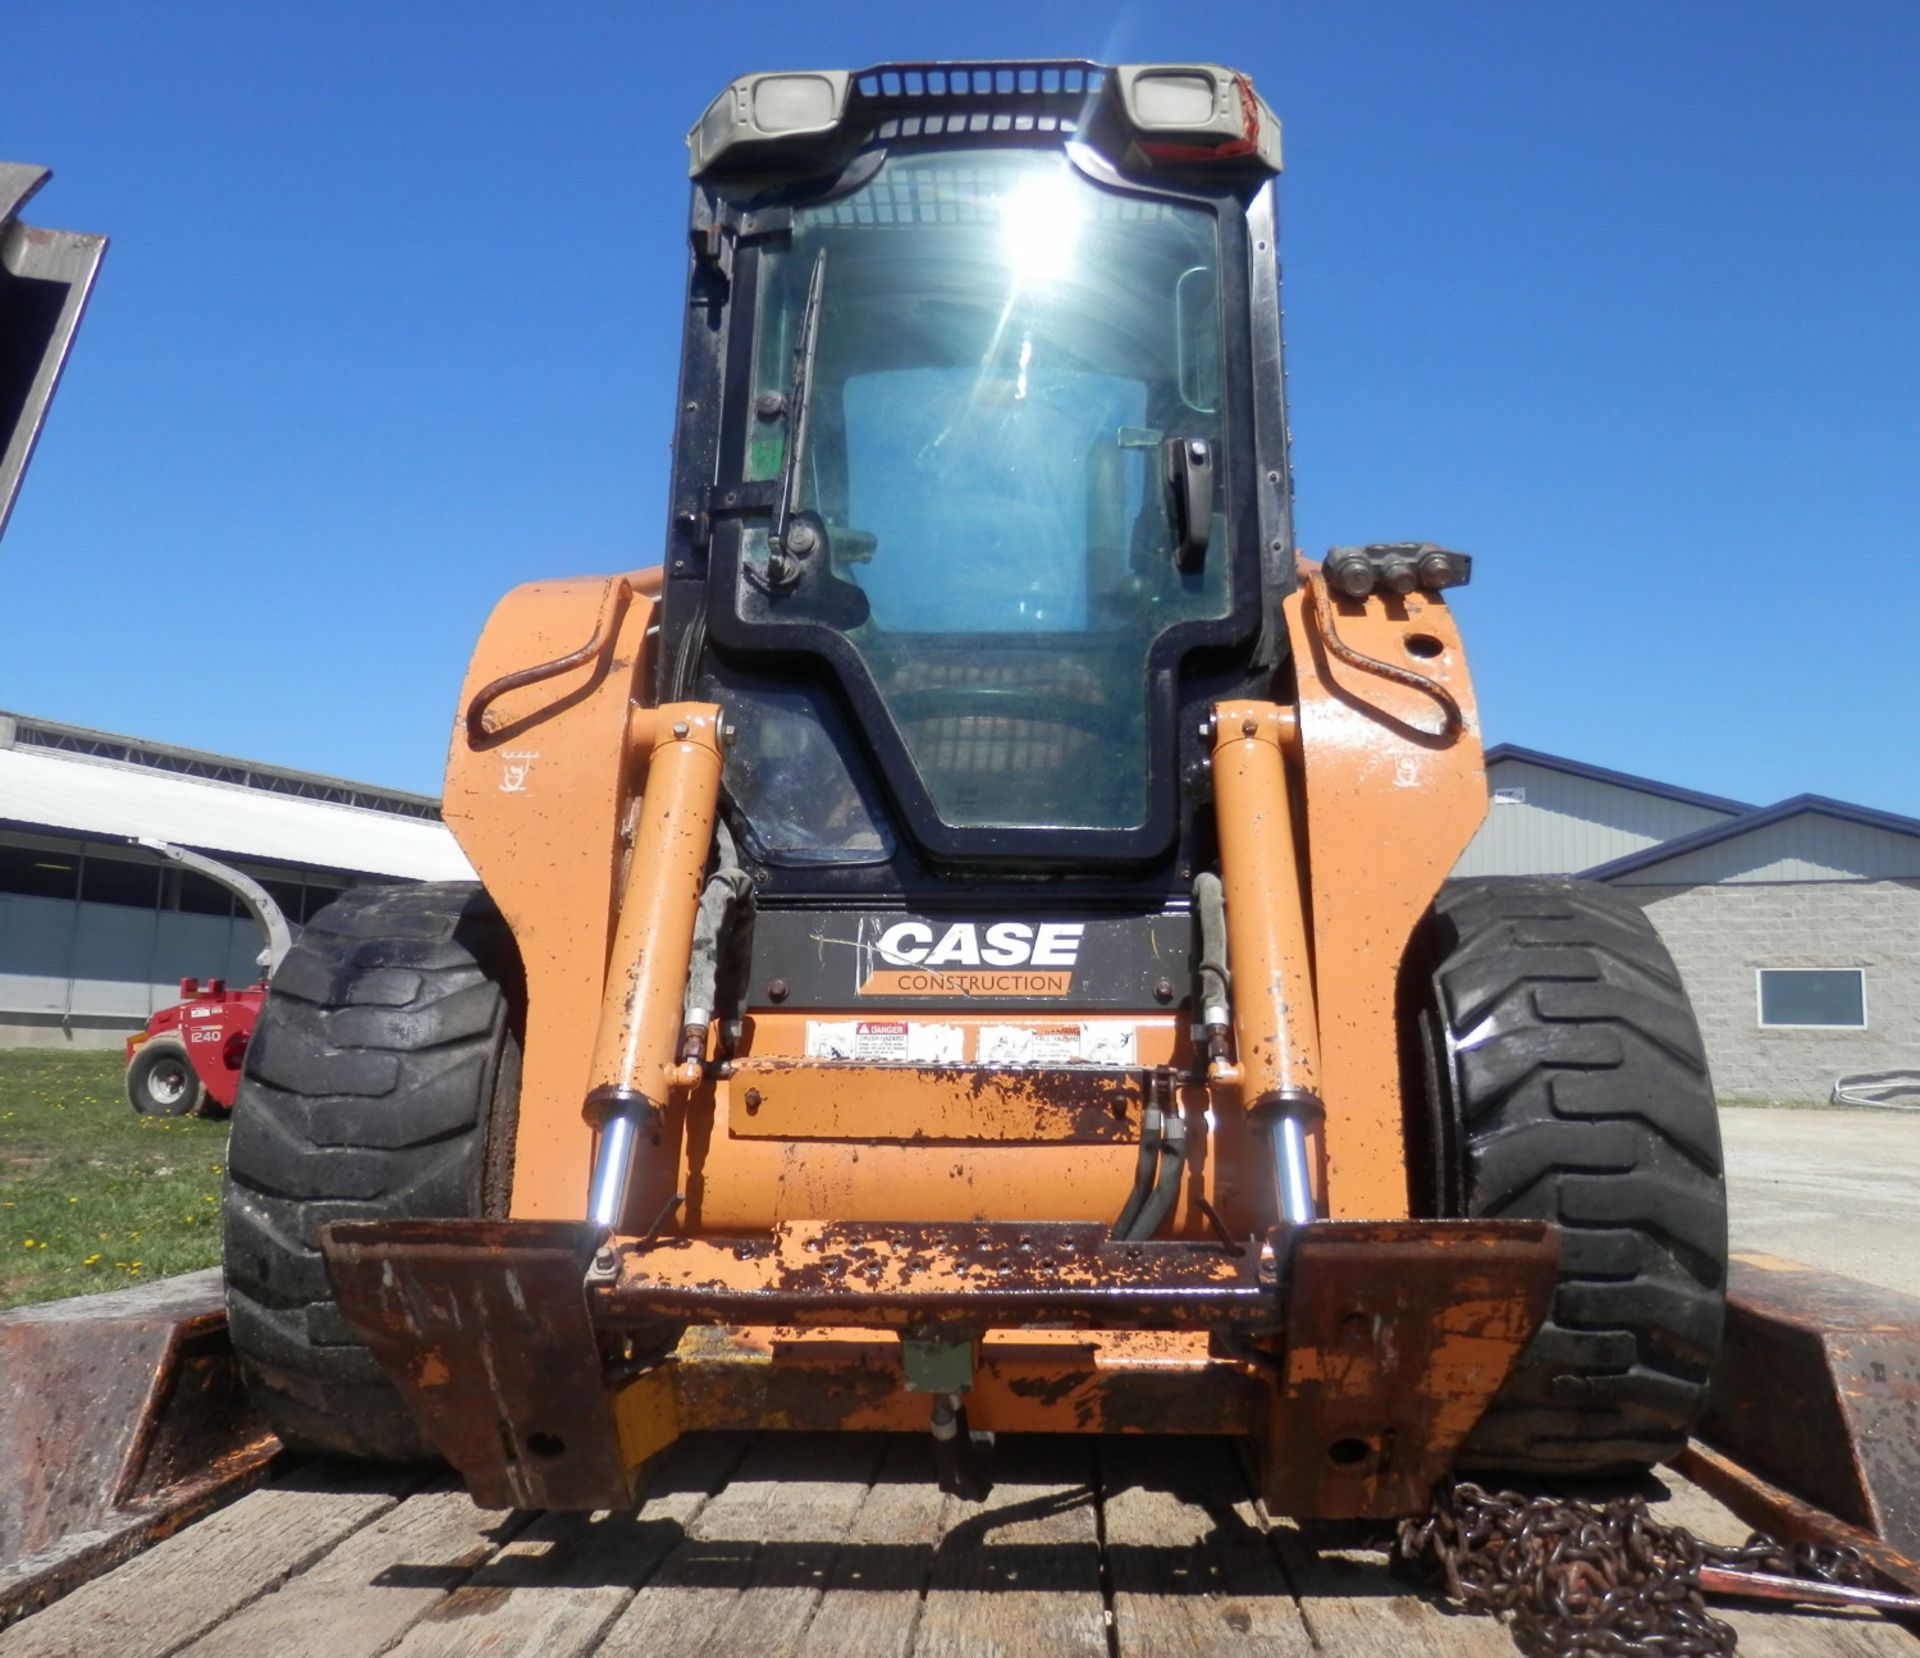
(187, 1059)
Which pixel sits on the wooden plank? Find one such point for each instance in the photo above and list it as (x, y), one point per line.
(825, 1545)
(1189, 1566)
(750, 1573)
(871, 1607)
(1356, 1607)
(184, 1586)
(1020, 1572)
(370, 1590)
(556, 1587)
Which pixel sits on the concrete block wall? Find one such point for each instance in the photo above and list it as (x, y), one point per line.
(1721, 934)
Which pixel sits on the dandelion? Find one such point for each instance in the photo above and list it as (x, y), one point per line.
(28, 1244)
(91, 1260)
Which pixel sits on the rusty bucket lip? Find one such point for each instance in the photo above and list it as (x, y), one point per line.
(510, 1339)
(883, 1275)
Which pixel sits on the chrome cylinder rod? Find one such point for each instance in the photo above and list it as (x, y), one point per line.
(1290, 1171)
(612, 1165)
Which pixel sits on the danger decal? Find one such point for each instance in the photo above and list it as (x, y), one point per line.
(886, 1041)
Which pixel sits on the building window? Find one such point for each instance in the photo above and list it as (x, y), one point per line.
(196, 895)
(35, 874)
(1820, 996)
(286, 894)
(317, 899)
(118, 881)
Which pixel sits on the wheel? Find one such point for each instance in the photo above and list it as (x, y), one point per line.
(381, 1083)
(161, 1081)
(1563, 1070)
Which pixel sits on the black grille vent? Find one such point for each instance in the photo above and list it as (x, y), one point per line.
(932, 100)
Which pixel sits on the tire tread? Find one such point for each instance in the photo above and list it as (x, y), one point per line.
(1580, 1094)
(374, 1076)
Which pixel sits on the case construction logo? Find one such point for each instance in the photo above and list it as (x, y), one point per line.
(967, 958)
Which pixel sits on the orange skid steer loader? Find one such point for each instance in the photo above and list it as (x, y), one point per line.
(964, 945)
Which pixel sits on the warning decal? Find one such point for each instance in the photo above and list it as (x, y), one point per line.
(886, 1041)
(1109, 1042)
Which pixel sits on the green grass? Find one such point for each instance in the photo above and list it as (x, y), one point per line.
(93, 1197)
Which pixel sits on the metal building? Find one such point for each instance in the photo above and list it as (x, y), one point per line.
(96, 932)
(1795, 926)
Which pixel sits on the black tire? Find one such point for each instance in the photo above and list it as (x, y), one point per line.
(381, 1082)
(161, 1081)
(1568, 1083)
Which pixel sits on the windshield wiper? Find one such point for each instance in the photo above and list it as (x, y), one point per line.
(791, 538)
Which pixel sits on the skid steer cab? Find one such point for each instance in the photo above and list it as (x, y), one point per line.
(964, 944)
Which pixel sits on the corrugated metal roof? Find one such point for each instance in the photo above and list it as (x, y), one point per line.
(108, 800)
(27, 731)
(1624, 779)
(1806, 838)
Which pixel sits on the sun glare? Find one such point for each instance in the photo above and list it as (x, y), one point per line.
(1040, 221)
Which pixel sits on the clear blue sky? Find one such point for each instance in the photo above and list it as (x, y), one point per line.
(1621, 298)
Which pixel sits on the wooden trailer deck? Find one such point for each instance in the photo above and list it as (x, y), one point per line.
(823, 1545)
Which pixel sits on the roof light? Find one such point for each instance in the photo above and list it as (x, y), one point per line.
(796, 103)
(759, 111)
(1178, 98)
(1188, 113)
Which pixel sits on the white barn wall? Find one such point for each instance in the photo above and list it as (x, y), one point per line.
(76, 975)
(84, 966)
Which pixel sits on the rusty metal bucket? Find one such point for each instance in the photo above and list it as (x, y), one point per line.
(1814, 1415)
(122, 1417)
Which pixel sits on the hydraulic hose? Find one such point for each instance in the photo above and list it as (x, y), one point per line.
(1210, 970)
(1143, 1170)
(727, 890)
(1156, 1176)
(1173, 1158)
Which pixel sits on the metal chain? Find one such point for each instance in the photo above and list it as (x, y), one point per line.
(1587, 1580)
